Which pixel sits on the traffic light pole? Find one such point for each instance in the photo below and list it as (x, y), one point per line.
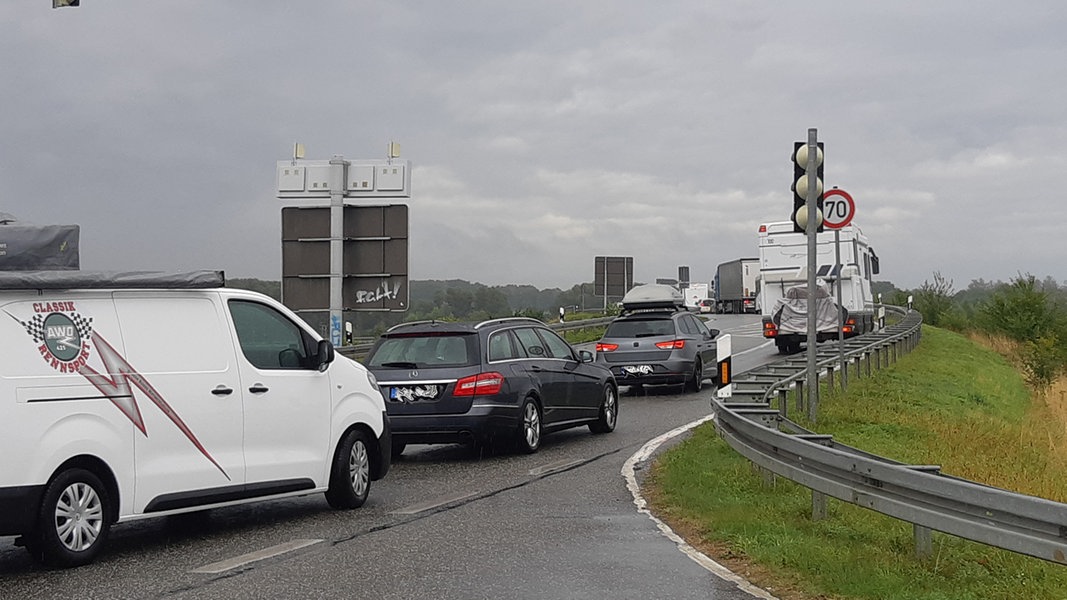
(812, 231)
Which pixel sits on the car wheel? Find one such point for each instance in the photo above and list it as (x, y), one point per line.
(697, 382)
(609, 411)
(529, 435)
(350, 475)
(73, 523)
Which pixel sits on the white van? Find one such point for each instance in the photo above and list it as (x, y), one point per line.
(134, 395)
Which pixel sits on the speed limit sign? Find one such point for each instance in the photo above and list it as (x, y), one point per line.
(838, 208)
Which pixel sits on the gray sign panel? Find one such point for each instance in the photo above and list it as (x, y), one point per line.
(375, 258)
(35, 248)
(612, 275)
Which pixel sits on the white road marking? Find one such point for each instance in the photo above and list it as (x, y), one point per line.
(628, 472)
(244, 559)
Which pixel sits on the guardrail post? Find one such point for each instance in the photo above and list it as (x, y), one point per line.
(830, 376)
(923, 541)
(783, 400)
(867, 361)
(818, 506)
(799, 391)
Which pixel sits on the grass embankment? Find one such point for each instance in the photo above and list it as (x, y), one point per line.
(951, 402)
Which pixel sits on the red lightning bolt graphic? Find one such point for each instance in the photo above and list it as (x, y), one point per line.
(120, 394)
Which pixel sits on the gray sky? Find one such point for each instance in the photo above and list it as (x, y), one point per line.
(543, 134)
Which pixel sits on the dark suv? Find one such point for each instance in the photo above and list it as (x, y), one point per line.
(658, 341)
(503, 380)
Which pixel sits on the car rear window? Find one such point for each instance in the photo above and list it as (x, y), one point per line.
(420, 351)
(635, 328)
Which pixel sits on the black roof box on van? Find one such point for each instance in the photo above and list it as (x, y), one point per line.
(652, 296)
(73, 280)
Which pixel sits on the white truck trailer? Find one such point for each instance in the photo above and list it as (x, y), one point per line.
(783, 259)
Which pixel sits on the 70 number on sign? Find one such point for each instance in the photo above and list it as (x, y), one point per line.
(838, 208)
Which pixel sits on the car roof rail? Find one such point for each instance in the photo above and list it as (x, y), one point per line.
(412, 323)
(507, 319)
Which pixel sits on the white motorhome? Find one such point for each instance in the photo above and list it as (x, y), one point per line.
(126, 396)
(783, 261)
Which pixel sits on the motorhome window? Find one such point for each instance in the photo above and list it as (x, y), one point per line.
(268, 339)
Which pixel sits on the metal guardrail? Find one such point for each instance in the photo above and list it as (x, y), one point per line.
(919, 494)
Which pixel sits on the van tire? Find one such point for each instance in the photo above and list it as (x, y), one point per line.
(74, 520)
(351, 472)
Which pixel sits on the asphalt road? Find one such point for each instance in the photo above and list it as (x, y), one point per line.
(445, 523)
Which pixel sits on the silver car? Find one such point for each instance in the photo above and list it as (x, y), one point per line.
(659, 346)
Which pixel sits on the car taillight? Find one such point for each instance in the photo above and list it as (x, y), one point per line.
(602, 347)
(770, 330)
(849, 326)
(482, 384)
(672, 345)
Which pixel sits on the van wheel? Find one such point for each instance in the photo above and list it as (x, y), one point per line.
(697, 382)
(350, 475)
(529, 434)
(73, 523)
(609, 411)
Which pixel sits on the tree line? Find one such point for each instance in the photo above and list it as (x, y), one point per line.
(1030, 313)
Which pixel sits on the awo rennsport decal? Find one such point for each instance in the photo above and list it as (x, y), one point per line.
(63, 337)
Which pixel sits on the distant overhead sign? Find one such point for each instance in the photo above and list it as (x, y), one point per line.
(612, 275)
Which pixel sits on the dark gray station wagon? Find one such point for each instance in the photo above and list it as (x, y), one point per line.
(503, 381)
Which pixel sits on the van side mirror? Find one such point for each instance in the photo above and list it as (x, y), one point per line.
(325, 355)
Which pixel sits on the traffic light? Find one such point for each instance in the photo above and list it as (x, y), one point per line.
(800, 186)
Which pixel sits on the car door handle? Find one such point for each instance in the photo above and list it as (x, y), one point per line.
(221, 390)
(258, 388)
(536, 369)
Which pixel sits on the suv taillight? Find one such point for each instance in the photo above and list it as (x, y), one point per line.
(482, 384)
(602, 347)
(671, 345)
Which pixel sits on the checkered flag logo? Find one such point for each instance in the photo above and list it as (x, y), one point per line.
(83, 324)
(35, 326)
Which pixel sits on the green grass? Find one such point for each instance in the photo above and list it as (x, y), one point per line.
(950, 402)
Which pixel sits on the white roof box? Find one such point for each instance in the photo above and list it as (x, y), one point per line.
(652, 295)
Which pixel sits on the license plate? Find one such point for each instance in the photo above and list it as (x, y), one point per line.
(637, 369)
(413, 393)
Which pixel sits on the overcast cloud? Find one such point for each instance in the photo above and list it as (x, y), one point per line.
(543, 134)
